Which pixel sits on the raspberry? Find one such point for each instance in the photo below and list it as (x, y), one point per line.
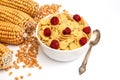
(47, 32)
(83, 41)
(67, 30)
(87, 29)
(54, 44)
(54, 20)
(77, 17)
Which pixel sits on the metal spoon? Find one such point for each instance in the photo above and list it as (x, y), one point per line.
(95, 39)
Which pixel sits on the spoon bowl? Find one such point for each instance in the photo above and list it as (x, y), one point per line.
(96, 39)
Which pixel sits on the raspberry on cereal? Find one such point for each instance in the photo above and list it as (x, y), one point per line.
(54, 20)
(54, 44)
(83, 41)
(87, 29)
(67, 30)
(47, 32)
(77, 17)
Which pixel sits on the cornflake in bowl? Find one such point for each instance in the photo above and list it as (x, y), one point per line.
(63, 37)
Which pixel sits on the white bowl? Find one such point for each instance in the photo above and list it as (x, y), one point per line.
(63, 55)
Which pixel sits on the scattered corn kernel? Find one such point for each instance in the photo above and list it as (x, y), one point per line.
(21, 77)
(10, 73)
(16, 78)
(29, 74)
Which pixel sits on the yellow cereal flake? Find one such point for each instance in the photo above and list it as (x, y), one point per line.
(81, 27)
(54, 34)
(89, 35)
(85, 35)
(48, 42)
(44, 21)
(42, 36)
(75, 24)
(78, 45)
(64, 37)
(62, 18)
(80, 34)
(70, 24)
(82, 22)
(75, 33)
(63, 45)
(62, 27)
(73, 46)
(67, 48)
(43, 27)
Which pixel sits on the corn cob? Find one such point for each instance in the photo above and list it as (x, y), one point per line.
(17, 17)
(5, 57)
(28, 6)
(11, 33)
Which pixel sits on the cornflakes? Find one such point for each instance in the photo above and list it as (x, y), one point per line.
(67, 31)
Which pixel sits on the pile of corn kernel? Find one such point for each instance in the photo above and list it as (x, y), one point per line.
(28, 50)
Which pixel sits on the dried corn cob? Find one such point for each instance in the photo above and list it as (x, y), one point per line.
(28, 6)
(5, 56)
(17, 17)
(11, 33)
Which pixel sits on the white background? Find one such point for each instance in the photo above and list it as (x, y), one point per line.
(104, 61)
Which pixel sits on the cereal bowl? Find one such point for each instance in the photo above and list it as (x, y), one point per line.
(62, 52)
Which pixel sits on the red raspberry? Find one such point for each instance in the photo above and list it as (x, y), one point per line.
(87, 29)
(54, 20)
(83, 41)
(67, 30)
(47, 32)
(77, 17)
(54, 44)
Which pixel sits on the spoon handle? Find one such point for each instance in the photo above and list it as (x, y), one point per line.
(82, 68)
(87, 56)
